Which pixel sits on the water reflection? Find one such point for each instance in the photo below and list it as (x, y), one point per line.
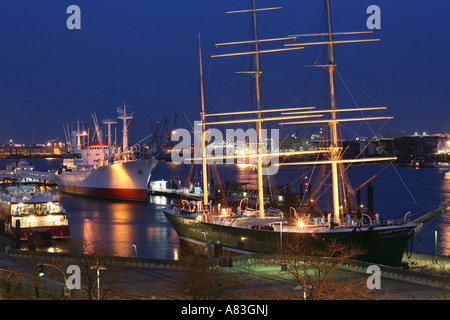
(119, 225)
(443, 224)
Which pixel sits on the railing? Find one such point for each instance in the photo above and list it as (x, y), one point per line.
(439, 280)
(421, 277)
(112, 260)
(28, 173)
(22, 287)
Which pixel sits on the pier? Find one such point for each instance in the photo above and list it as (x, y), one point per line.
(160, 188)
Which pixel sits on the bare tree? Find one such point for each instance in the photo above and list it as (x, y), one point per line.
(9, 277)
(201, 279)
(33, 262)
(441, 267)
(94, 260)
(316, 272)
(307, 272)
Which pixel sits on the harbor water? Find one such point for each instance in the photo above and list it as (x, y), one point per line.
(131, 229)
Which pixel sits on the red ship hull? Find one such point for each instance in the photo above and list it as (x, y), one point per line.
(139, 195)
(57, 232)
(119, 181)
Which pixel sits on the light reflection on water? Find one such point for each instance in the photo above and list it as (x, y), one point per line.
(443, 224)
(120, 224)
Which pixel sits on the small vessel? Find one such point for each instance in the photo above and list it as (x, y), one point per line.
(33, 212)
(419, 163)
(20, 165)
(227, 230)
(442, 165)
(100, 169)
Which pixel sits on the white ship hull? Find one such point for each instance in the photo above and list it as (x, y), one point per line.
(121, 181)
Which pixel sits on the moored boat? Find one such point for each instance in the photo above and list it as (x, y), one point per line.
(29, 212)
(228, 234)
(100, 169)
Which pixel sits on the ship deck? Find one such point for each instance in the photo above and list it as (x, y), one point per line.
(273, 223)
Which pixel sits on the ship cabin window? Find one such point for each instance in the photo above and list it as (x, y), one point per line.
(34, 208)
(41, 208)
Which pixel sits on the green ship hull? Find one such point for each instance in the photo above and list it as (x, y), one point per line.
(379, 245)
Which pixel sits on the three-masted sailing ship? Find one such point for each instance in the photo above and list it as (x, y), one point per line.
(236, 231)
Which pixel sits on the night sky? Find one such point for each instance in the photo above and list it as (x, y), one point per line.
(146, 53)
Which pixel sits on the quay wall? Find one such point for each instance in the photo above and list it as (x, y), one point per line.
(423, 269)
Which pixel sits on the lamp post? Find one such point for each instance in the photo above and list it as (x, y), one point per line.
(98, 268)
(435, 243)
(283, 266)
(10, 148)
(207, 244)
(135, 249)
(281, 233)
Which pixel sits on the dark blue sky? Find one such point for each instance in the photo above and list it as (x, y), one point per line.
(145, 53)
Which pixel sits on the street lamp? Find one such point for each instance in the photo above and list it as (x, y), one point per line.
(207, 244)
(283, 266)
(135, 249)
(435, 243)
(281, 233)
(98, 267)
(10, 148)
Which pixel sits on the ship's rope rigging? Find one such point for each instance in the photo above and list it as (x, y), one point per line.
(343, 171)
(424, 234)
(373, 134)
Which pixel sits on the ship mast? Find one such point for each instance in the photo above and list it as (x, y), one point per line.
(204, 169)
(124, 116)
(335, 150)
(257, 75)
(78, 135)
(109, 122)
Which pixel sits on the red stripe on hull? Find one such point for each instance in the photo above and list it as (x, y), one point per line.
(58, 232)
(106, 193)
